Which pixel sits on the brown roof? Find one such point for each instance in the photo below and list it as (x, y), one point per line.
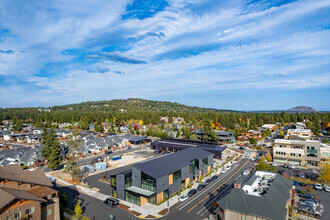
(15, 173)
(8, 195)
(42, 191)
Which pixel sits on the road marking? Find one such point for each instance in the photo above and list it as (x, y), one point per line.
(219, 180)
(211, 202)
(218, 187)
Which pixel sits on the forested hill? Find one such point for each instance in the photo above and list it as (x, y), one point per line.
(134, 104)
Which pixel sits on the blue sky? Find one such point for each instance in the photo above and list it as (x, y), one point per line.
(229, 54)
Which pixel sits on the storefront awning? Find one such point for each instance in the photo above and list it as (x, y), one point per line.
(139, 191)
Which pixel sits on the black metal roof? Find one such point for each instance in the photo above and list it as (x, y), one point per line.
(172, 162)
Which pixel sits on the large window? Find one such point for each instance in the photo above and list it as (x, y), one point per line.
(311, 152)
(147, 182)
(191, 168)
(17, 215)
(177, 175)
(128, 180)
(205, 161)
(29, 210)
(132, 198)
(113, 180)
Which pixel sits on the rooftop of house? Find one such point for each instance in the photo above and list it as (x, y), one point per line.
(260, 189)
(300, 130)
(170, 163)
(16, 173)
(285, 141)
(9, 195)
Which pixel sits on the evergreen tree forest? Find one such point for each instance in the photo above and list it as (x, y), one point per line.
(118, 111)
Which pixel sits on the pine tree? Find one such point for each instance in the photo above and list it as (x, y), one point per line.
(46, 150)
(55, 155)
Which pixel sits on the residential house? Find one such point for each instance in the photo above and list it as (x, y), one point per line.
(178, 120)
(27, 194)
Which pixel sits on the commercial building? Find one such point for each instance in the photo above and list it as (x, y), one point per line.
(172, 144)
(261, 195)
(302, 133)
(224, 136)
(27, 194)
(156, 180)
(299, 152)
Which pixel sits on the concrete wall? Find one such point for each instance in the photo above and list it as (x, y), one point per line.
(121, 186)
(136, 177)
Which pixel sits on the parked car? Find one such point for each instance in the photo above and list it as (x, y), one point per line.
(326, 187)
(306, 196)
(207, 181)
(201, 186)
(108, 152)
(227, 167)
(302, 184)
(307, 202)
(311, 185)
(192, 192)
(318, 186)
(302, 175)
(295, 183)
(291, 166)
(223, 170)
(241, 148)
(183, 198)
(285, 166)
(214, 177)
(253, 159)
(112, 202)
(247, 154)
(274, 164)
(309, 210)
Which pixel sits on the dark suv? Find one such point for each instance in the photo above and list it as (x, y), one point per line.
(192, 192)
(111, 202)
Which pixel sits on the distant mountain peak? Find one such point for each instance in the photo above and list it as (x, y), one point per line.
(302, 109)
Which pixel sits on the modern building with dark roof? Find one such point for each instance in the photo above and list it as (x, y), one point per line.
(261, 195)
(172, 144)
(27, 194)
(156, 180)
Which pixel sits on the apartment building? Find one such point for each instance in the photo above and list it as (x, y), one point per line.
(27, 194)
(297, 152)
(261, 195)
(157, 180)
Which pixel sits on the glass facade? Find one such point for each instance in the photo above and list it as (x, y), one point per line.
(191, 168)
(147, 182)
(177, 175)
(128, 180)
(152, 200)
(129, 197)
(311, 151)
(165, 194)
(113, 181)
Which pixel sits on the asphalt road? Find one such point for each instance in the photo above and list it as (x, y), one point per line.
(92, 207)
(199, 206)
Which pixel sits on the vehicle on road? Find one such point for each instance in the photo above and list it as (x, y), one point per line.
(223, 170)
(108, 152)
(246, 172)
(302, 175)
(214, 177)
(302, 184)
(247, 154)
(183, 198)
(227, 167)
(285, 166)
(311, 185)
(318, 186)
(201, 186)
(192, 192)
(291, 166)
(253, 159)
(295, 183)
(326, 187)
(274, 164)
(241, 148)
(111, 202)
